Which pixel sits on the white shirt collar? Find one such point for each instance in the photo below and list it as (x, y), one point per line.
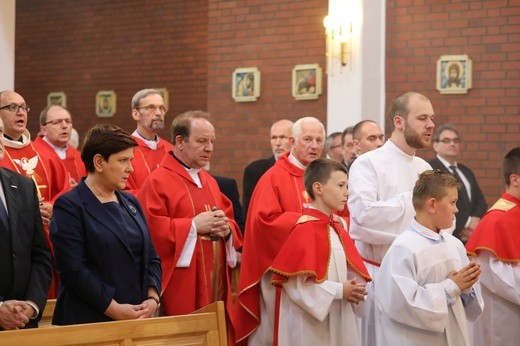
(62, 152)
(152, 144)
(294, 161)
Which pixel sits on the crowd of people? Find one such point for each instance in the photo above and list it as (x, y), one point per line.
(344, 239)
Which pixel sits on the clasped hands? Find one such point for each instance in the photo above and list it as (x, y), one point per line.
(354, 292)
(15, 314)
(212, 223)
(466, 277)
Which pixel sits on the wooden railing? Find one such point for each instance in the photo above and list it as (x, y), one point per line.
(206, 326)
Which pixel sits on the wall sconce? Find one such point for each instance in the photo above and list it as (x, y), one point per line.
(339, 40)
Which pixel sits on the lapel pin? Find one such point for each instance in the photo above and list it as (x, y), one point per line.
(132, 209)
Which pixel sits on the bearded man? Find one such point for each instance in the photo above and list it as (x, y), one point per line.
(381, 182)
(148, 110)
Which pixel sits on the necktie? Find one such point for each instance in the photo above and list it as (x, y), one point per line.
(463, 190)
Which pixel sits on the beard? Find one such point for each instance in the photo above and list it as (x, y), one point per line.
(413, 138)
(156, 125)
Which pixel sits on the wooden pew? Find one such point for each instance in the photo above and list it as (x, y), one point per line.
(46, 320)
(203, 327)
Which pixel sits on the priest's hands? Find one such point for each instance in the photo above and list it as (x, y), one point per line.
(212, 223)
(466, 277)
(354, 292)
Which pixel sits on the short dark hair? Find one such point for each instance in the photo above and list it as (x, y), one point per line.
(511, 164)
(320, 171)
(432, 184)
(400, 105)
(440, 129)
(105, 140)
(181, 124)
(357, 128)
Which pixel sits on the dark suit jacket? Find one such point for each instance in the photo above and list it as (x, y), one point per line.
(477, 206)
(94, 258)
(25, 259)
(252, 174)
(228, 187)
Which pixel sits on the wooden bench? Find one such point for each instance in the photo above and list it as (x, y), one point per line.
(46, 320)
(206, 326)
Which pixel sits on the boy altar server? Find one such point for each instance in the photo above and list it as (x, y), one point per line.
(426, 287)
(495, 243)
(319, 274)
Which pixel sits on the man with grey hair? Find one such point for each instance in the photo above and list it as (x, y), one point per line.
(279, 136)
(334, 147)
(148, 110)
(276, 205)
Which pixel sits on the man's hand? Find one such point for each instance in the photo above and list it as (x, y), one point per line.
(213, 222)
(45, 210)
(12, 314)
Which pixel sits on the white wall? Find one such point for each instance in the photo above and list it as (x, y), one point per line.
(7, 31)
(357, 91)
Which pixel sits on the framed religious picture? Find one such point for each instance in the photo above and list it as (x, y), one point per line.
(105, 103)
(57, 98)
(454, 74)
(165, 95)
(246, 84)
(306, 82)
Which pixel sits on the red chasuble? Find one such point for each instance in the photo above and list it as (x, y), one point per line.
(49, 176)
(276, 205)
(171, 200)
(145, 161)
(73, 164)
(499, 231)
(307, 250)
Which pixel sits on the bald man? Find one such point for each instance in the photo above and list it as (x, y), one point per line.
(367, 136)
(280, 133)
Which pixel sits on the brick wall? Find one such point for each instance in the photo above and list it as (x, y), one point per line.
(81, 47)
(488, 117)
(274, 36)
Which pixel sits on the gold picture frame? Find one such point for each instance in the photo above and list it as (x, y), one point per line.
(306, 82)
(165, 95)
(58, 98)
(454, 74)
(245, 84)
(105, 103)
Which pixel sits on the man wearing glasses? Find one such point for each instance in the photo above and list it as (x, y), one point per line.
(55, 132)
(48, 174)
(148, 110)
(471, 203)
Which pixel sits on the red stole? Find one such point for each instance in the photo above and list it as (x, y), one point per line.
(307, 250)
(499, 231)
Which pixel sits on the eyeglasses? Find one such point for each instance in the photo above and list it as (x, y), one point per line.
(449, 140)
(58, 122)
(153, 108)
(13, 107)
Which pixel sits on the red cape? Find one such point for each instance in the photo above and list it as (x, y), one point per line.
(499, 231)
(276, 205)
(307, 250)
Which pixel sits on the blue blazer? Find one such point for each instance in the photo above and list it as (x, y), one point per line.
(94, 259)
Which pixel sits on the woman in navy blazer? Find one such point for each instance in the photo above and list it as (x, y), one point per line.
(104, 255)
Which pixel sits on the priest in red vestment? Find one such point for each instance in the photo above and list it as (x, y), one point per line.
(495, 245)
(276, 205)
(55, 132)
(191, 221)
(148, 110)
(48, 173)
